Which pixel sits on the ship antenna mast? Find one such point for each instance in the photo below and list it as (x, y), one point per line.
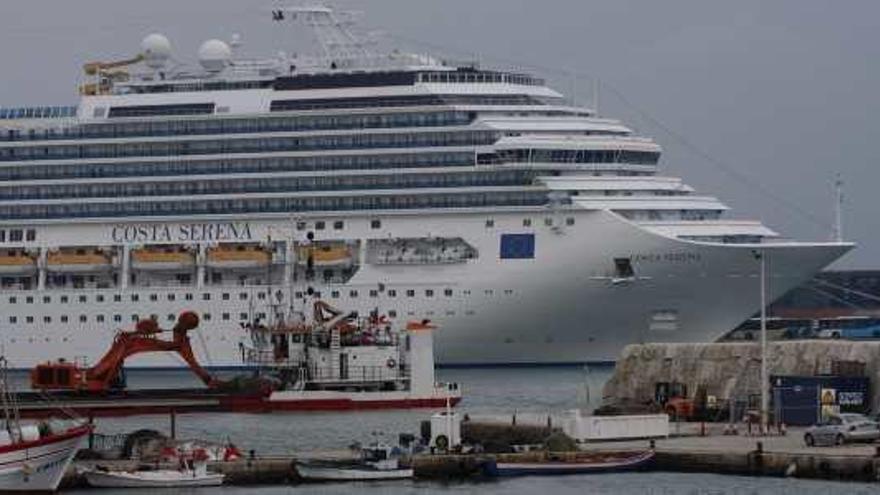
(340, 46)
(837, 230)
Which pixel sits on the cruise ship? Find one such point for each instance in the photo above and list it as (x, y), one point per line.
(531, 230)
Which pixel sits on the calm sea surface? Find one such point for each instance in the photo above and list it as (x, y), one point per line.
(487, 391)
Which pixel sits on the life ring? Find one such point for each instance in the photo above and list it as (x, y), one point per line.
(442, 442)
(391, 363)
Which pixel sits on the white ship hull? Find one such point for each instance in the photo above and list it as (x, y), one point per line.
(340, 473)
(39, 465)
(152, 479)
(562, 306)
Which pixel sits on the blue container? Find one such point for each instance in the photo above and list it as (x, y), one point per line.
(798, 400)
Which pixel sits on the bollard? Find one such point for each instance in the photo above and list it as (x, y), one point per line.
(760, 448)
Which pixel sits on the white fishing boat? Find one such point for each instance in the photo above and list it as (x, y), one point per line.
(34, 457)
(193, 471)
(379, 462)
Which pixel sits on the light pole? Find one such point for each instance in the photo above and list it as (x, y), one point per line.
(762, 258)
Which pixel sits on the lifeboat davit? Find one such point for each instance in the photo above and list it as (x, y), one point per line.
(325, 255)
(239, 256)
(17, 262)
(79, 260)
(162, 258)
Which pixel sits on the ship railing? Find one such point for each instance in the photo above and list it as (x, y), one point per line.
(357, 374)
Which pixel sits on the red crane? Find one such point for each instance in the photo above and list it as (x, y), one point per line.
(64, 375)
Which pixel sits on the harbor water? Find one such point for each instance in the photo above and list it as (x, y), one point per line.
(487, 391)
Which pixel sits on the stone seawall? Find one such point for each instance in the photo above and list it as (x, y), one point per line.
(730, 369)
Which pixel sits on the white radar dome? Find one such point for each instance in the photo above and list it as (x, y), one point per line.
(214, 55)
(156, 50)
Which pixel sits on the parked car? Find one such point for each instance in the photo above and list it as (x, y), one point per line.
(838, 429)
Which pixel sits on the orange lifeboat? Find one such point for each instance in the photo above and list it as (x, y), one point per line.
(79, 260)
(17, 262)
(325, 255)
(162, 258)
(239, 256)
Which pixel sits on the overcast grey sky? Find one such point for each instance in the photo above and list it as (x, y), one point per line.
(780, 95)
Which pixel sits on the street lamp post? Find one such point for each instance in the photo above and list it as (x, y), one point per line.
(765, 380)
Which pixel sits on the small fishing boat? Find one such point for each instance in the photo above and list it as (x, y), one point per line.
(579, 463)
(379, 462)
(193, 471)
(34, 457)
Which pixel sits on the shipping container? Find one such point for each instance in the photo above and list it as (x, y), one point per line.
(803, 400)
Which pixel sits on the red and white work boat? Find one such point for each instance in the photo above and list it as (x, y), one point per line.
(338, 360)
(34, 457)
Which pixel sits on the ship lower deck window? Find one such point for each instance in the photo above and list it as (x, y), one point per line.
(83, 318)
(31, 235)
(13, 319)
(243, 316)
(29, 319)
(569, 221)
(334, 294)
(99, 318)
(134, 298)
(527, 222)
(374, 293)
(490, 223)
(12, 300)
(447, 292)
(375, 224)
(319, 225)
(623, 268)
(117, 318)
(410, 293)
(225, 296)
(225, 316)
(134, 318)
(353, 293)
(429, 293)
(29, 300)
(392, 293)
(47, 319)
(338, 225)
(47, 299)
(64, 318)
(392, 313)
(206, 316)
(64, 299)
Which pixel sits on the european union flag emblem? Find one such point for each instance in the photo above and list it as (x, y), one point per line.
(517, 246)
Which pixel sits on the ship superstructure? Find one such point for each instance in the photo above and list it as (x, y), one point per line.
(530, 229)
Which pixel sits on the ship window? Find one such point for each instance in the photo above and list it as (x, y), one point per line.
(29, 300)
(134, 298)
(83, 318)
(64, 299)
(301, 225)
(527, 222)
(242, 296)
(188, 296)
(375, 224)
(11, 300)
(154, 297)
(99, 318)
(2, 236)
(134, 317)
(206, 316)
(225, 316)
(392, 313)
(490, 223)
(623, 268)
(29, 319)
(171, 297)
(171, 317)
(374, 293)
(548, 222)
(225, 296)
(319, 225)
(569, 221)
(353, 293)
(392, 293)
(298, 294)
(429, 293)
(447, 292)
(242, 316)
(206, 296)
(338, 225)
(261, 295)
(410, 293)
(99, 298)
(83, 299)
(63, 318)
(13, 319)
(47, 299)
(31, 235)
(15, 235)
(334, 293)
(117, 318)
